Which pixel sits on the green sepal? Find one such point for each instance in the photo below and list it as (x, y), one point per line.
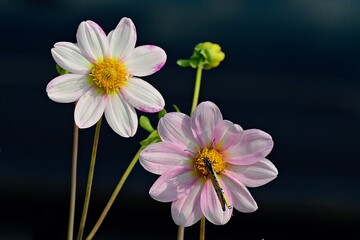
(162, 113)
(183, 62)
(176, 108)
(145, 124)
(152, 138)
(194, 62)
(60, 70)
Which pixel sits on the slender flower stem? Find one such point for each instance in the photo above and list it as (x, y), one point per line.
(114, 195)
(73, 183)
(195, 101)
(89, 183)
(202, 228)
(197, 88)
(180, 234)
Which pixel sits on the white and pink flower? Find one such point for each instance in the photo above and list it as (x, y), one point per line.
(103, 78)
(237, 157)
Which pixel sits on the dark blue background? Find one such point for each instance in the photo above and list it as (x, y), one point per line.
(291, 69)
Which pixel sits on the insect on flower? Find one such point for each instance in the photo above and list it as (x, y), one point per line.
(218, 189)
(203, 159)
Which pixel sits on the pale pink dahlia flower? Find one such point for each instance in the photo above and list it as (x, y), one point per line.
(102, 76)
(206, 164)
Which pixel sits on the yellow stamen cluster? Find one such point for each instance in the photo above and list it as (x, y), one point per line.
(215, 158)
(109, 75)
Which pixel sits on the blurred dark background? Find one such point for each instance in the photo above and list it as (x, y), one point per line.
(291, 69)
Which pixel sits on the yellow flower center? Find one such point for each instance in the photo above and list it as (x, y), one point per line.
(214, 157)
(109, 75)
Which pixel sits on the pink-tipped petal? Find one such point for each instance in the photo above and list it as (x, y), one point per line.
(241, 197)
(90, 108)
(145, 60)
(92, 41)
(256, 174)
(226, 134)
(164, 156)
(203, 121)
(186, 211)
(121, 117)
(173, 184)
(122, 39)
(68, 87)
(142, 95)
(68, 56)
(175, 128)
(253, 146)
(211, 206)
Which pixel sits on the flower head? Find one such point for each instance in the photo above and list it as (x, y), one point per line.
(104, 71)
(206, 164)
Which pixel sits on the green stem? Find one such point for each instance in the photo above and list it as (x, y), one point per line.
(197, 88)
(202, 228)
(73, 183)
(114, 195)
(90, 178)
(195, 102)
(193, 106)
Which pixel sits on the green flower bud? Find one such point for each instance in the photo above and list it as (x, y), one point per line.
(211, 53)
(145, 124)
(207, 55)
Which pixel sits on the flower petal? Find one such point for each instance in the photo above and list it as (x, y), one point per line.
(145, 60)
(143, 96)
(122, 39)
(186, 211)
(211, 206)
(253, 146)
(203, 121)
(238, 127)
(68, 87)
(92, 41)
(226, 134)
(173, 184)
(175, 128)
(121, 117)
(256, 174)
(241, 197)
(68, 56)
(163, 156)
(90, 108)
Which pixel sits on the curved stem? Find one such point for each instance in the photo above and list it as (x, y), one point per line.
(114, 195)
(196, 88)
(73, 183)
(89, 183)
(202, 228)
